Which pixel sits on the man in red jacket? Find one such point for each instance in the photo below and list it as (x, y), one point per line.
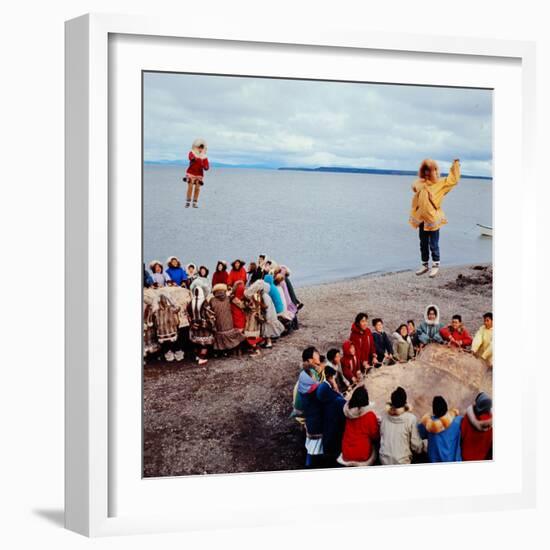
(456, 334)
(477, 430)
(362, 339)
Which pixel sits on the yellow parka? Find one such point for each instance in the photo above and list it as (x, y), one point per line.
(427, 199)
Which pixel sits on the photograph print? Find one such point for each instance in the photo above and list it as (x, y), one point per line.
(317, 274)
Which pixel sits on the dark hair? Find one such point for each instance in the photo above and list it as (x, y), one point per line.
(376, 320)
(235, 261)
(458, 318)
(360, 316)
(488, 315)
(432, 308)
(359, 398)
(329, 372)
(205, 269)
(331, 354)
(412, 322)
(223, 266)
(322, 359)
(308, 353)
(439, 406)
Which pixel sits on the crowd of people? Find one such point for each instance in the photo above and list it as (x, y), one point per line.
(331, 401)
(235, 310)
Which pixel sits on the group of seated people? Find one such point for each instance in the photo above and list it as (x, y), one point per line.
(366, 349)
(184, 310)
(343, 429)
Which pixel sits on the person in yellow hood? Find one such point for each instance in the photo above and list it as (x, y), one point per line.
(426, 213)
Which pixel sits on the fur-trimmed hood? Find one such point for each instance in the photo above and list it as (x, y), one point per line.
(195, 148)
(257, 286)
(438, 425)
(170, 258)
(396, 412)
(436, 321)
(285, 271)
(223, 263)
(153, 263)
(219, 289)
(357, 412)
(480, 424)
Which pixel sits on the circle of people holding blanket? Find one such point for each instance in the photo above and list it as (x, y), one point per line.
(331, 399)
(233, 311)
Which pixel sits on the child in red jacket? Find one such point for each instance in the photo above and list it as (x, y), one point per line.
(456, 334)
(198, 163)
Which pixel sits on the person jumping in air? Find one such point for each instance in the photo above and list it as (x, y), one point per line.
(426, 214)
(198, 163)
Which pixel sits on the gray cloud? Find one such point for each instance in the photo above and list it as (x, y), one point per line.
(312, 123)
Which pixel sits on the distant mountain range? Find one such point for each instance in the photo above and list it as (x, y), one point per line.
(341, 169)
(383, 171)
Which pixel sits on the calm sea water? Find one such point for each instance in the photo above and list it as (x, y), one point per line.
(324, 226)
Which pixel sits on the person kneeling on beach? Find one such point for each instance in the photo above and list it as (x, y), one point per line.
(482, 345)
(399, 437)
(426, 214)
(361, 434)
(442, 430)
(456, 334)
(429, 329)
(382, 344)
(402, 344)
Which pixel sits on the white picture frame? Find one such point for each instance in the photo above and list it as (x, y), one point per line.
(94, 438)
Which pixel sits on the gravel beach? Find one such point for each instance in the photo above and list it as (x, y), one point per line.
(233, 414)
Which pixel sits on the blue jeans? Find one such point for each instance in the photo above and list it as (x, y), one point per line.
(429, 242)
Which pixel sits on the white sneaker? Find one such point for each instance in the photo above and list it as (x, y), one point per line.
(169, 355)
(435, 270)
(179, 355)
(423, 269)
(202, 362)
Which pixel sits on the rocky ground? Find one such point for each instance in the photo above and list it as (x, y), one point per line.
(233, 414)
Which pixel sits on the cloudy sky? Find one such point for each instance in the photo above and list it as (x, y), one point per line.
(273, 122)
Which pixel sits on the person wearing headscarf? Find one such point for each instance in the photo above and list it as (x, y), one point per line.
(160, 278)
(477, 429)
(220, 276)
(442, 430)
(226, 336)
(399, 437)
(202, 319)
(429, 329)
(175, 271)
(362, 433)
(201, 280)
(237, 273)
(198, 164)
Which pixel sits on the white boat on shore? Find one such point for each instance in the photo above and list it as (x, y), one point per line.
(485, 230)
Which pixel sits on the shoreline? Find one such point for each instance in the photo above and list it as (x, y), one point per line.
(232, 415)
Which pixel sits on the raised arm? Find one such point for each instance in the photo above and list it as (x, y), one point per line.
(454, 176)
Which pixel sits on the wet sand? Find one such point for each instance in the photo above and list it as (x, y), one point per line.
(233, 414)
